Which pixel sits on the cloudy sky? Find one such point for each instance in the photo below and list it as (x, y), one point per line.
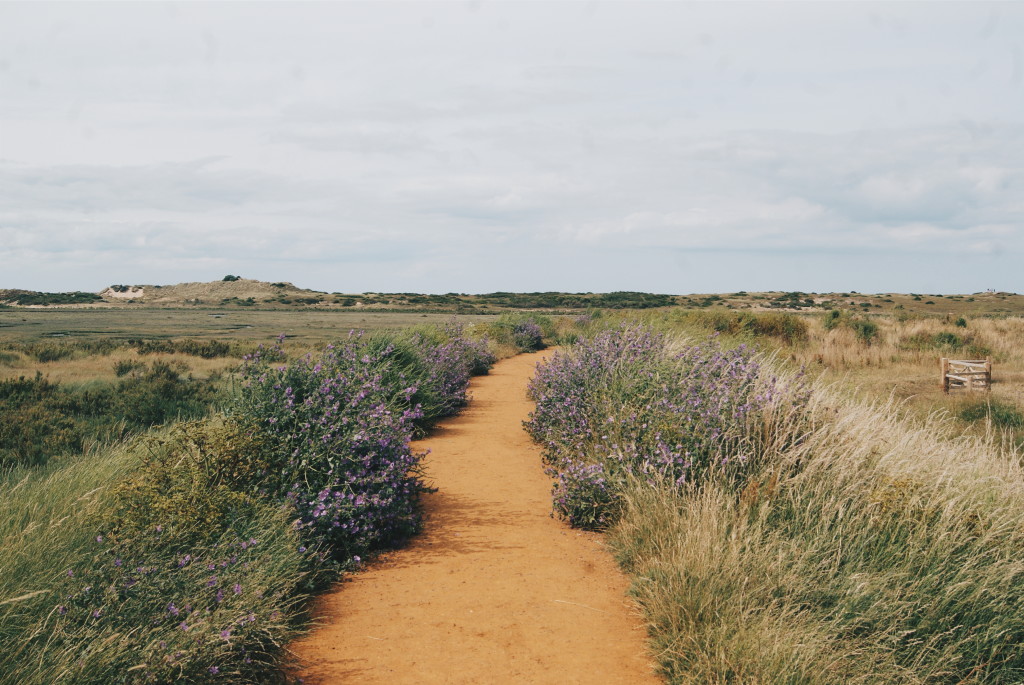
(480, 146)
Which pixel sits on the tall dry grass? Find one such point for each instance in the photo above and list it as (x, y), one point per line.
(871, 547)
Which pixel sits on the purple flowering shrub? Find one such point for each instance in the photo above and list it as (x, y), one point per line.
(582, 496)
(523, 332)
(568, 387)
(627, 401)
(339, 427)
(526, 335)
(474, 353)
(440, 361)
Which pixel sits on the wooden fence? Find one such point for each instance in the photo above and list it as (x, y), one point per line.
(966, 374)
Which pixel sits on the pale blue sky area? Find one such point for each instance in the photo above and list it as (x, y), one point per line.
(522, 146)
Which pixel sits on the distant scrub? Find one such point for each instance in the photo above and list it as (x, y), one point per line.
(948, 342)
(865, 329)
(40, 419)
(26, 298)
(790, 329)
(522, 332)
(551, 300)
(46, 351)
(207, 349)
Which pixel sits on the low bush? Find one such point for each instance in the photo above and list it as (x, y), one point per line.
(1003, 415)
(207, 349)
(40, 419)
(947, 342)
(627, 402)
(865, 330)
(790, 329)
(522, 332)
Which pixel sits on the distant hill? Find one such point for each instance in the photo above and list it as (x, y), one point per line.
(237, 292)
(212, 293)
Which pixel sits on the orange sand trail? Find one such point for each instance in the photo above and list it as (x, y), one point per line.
(494, 590)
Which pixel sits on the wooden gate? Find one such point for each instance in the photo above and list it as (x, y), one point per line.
(966, 374)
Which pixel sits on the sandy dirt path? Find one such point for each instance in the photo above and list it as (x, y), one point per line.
(494, 590)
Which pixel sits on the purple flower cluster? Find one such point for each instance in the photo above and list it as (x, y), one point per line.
(583, 497)
(622, 401)
(341, 440)
(449, 359)
(527, 335)
(341, 423)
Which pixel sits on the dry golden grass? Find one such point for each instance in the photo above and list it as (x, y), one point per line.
(871, 547)
(92, 368)
(892, 365)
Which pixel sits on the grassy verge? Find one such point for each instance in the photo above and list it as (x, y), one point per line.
(187, 555)
(805, 539)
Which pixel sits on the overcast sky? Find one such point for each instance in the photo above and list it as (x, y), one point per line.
(472, 147)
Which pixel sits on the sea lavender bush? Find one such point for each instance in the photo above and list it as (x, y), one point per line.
(527, 336)
(629, 402)
(522, 332)
(339, 437)
(339, 427)
(444, 359)
(582, 496)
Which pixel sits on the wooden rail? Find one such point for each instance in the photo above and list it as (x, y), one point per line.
(966, 374)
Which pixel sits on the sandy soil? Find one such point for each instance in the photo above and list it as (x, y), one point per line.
(494, 590)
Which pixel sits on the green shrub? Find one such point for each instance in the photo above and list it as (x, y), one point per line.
(207, 349)
(40, 419)
(52, 353)
(867, 331)
(833, 318)
(788, 328)
(123, 367)
(949, 343)
(1001, 414)
(961, 322)
(193, 481)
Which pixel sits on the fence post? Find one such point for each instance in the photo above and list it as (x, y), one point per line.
(988, 374)
(944, 368)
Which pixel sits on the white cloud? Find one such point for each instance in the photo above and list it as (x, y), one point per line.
(408, 144)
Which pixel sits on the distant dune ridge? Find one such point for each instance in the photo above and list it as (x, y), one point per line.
(213, 291)
(237, 292)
